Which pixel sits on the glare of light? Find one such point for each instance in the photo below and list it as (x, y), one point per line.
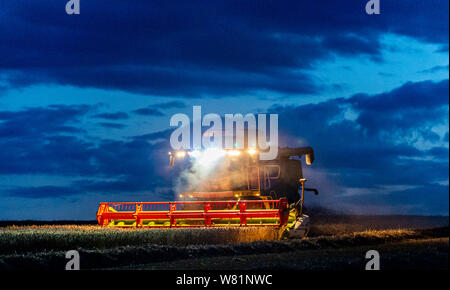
(233, 153)
(209, 157)
(181, 154)
(251, 151)
(181, 195)
(195, 153)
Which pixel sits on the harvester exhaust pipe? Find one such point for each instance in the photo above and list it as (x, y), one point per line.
(309, 158)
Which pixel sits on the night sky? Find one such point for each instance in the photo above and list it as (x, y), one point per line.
(85, 100)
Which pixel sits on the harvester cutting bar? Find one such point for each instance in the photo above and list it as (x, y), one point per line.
(194, 213)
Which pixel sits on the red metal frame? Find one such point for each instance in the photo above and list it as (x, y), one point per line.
(172, 211)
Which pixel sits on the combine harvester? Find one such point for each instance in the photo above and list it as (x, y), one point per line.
(232, 188)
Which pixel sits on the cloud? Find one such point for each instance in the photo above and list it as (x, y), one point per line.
(443, 48)
(170, 105)
(215, 48)
(48, 148)
(37, 121)
(435, 69)
(148, 112)
(422, 95)
(112, 116)
(45, 140)
(112, 125)
(426, 199)
(366, 153)
(368, 142)
(410, 106)
(155, 109)
(43, 192)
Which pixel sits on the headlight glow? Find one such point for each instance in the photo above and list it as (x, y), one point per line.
(209, 157)
(195, 153)
(180, 154)
(233, 153)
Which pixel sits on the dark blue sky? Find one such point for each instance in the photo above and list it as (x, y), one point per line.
(85, 100)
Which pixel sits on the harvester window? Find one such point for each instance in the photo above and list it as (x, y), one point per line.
(271, 172)
(253, 178)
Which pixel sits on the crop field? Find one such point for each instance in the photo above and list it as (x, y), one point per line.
(334, 242)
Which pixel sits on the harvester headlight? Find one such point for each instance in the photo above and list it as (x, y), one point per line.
(252, 151)
(234, 153)
(207, 158)
(181, 154)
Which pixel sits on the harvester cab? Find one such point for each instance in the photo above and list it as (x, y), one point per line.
(226, 188)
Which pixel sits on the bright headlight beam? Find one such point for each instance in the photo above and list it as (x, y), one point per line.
(195, 154)
(233, 153)
(180, 154)
(209, 157)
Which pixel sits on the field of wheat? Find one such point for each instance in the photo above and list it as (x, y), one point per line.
(44, 246)
(20, 239)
